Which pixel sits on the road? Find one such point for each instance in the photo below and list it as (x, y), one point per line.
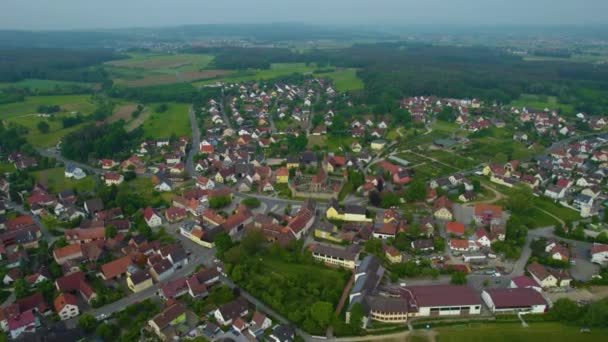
(52, 152)
(224, 116)
(196, 139)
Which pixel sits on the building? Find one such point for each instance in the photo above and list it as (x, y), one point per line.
(228, 312)
(163, 324)
(455, 228)
(442, 209)
(282, 333)
(341, 257)
(66, 306)
(152, 218)
(486, 214)
(525, 282)
(115, 268)
(503, 300)
(599, 254)
(139, 281)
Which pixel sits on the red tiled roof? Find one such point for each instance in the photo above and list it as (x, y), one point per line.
(117, 267)
(515, 297)
(455, 228)
(482, 208)
(64, 299)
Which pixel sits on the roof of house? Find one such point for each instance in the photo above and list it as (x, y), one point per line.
(68, 250)
(140, 276)
(515, 297)
(599, 248)
(64, 299)
(455, 228)
(443, 295)
(172, 288)
(524, 281)
(22, 320)
(234, 309)
(539, 271)
(347, 254)
(484, 209)
(459, 244)
(35, 301)
(116, 267)
(168, 315)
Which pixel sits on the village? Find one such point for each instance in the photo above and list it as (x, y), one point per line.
(281, 161)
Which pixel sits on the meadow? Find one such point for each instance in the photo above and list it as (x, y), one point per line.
(68, 103)
(56, 181)
(173, 121)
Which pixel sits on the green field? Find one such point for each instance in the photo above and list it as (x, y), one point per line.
(68, 103)
(514, 332)
(174, 121)
(276, 70)
(6, 167)
(540, 102)
(45, 85)
(38, 139)
(57, 182)
(344, 79)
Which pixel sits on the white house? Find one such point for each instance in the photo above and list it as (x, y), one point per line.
(599, 254)
(500, 300)
(74, 172)
(66, 306)
(152, 218)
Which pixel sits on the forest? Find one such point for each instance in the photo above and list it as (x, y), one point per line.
(103, 141)
(53, 64)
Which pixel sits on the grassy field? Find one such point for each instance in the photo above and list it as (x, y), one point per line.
(57, 182)
(6, 167)
(68, 103)
(276, 70)
(166, 63)
(45, 85)
(540, 102)
(514, 332)
(344, 79)
(174, 121)
(144, 188)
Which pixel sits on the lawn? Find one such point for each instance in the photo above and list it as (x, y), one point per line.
(344, 79)
(174, 121)
(514, 332)
(55, 134)
(452, 159)
(144, 188)
(57, 182)
(68, 103)
(540, 102)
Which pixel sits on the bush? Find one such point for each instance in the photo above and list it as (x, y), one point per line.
(251, 202)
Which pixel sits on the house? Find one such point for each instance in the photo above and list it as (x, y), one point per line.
(392, 254)
(387, 230)
(152, 218)
(161, 270)
(204, 183)
(25, 322)
(425, 245)
(502, 300)
(67, 253)
(487, 214)
(482, 238)
(559, 252)
(599, 254)
(84, 235)
(76, 283)
(282, 175)
(173, 289)
(66, 306)
(455, 228)
(139, 281)
(115, 268)
(282, 333)
(93, 206)
(555, 192)
(459, 245)
(525, 282)
(442, 209)
(113, 178)
(342, 257)
(107, 164)
(259, 323)
(228, 312)
(175, 214)
(74, 172)
(542, 276)
(163, 323)
(378, 145)
(164, 185)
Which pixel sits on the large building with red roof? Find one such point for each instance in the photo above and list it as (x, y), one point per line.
(514, 300)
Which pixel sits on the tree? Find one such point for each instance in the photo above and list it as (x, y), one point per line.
(389, 199)
(220, 201)
(373, 246)
(251, 202)
(107, 332)
(252, 242)
(459, 278)
(22, 288)
(565, 310)
(43, 127)
(223, 242)
(87, 322)
(520, 201)
(476, 185)
(322, 312)
(416, 191)
(374, 198)
(111, 231)
(356, 316)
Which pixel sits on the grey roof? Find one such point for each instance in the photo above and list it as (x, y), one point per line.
(283, 333)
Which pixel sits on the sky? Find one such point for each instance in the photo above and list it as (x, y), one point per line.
(100, 14)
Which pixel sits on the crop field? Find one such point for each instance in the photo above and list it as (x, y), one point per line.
(68, 103)
(157, 69)
(174, 121)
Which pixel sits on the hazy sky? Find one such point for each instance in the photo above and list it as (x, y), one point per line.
(79, 14)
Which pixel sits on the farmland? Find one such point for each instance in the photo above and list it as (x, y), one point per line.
(46, 85)
(276, 70)
(344, 79)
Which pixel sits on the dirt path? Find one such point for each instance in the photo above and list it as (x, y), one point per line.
(498, 196)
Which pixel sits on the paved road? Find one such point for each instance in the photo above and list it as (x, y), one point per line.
(196, 139)
(54, 153)
(226, 118)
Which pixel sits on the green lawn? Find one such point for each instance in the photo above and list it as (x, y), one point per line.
(57, 182)
(144, 188)
(45, 85)
(514, 332)
(344, 79)
(68, 103)
(540, 102)
(56, 130)
(174, 121)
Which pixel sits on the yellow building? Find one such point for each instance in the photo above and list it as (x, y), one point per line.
(378, 145)
(139, 281)
(328, 231)
(443, 214)
(332, 213)
(283, 175)
(486, 170)
(392, 254)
